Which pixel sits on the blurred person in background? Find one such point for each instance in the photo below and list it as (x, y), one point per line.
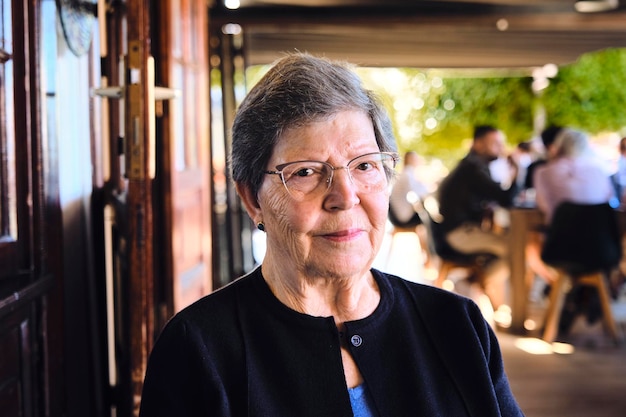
(620, 175)
(620, 182)
(535, 237)
(548, 136)
(467, 195)
(524, 156)
(407, 191)
(573, 173)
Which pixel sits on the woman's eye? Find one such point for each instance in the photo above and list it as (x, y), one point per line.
(303, 172)
(365, 166)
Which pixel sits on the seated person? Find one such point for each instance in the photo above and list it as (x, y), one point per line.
(548, 136)
(620, 175)
(574, 173)
(524, 154)
(465, 194)
(406, 191)
(535, 237)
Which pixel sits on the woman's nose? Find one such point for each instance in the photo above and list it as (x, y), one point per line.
(343, 193)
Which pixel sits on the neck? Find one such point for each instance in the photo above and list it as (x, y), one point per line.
(344, 298)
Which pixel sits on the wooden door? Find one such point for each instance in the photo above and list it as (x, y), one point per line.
(183, 149)
(127, 202)
(156, 206)
(31, 322)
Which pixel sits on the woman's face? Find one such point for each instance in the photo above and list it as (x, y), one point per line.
(334, 235)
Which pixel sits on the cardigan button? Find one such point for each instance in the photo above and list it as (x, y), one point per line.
(356, 340)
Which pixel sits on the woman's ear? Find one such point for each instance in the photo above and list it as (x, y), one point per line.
(250, 202)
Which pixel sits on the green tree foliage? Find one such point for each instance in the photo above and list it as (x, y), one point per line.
(590, 94)
(435, 115)
(506, 103)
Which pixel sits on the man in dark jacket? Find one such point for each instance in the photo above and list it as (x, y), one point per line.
(467, 197)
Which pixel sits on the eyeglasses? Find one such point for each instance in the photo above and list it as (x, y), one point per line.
(305, 180)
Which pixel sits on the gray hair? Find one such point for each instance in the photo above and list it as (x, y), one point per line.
(571, 142)
(299, 89)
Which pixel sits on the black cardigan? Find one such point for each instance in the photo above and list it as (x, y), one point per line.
(241, 352)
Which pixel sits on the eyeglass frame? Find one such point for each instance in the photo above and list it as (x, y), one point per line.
(280, 168)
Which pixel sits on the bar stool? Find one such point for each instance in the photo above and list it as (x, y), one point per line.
(582, 244)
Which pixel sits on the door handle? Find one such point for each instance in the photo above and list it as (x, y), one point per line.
(134, 147)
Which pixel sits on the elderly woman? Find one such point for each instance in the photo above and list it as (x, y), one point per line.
(315, 331)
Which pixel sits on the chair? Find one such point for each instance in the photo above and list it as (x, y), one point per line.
(582, 244)
(449, 258)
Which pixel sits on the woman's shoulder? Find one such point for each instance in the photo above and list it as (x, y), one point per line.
(397, 282)
(425, 294)
(221, 302)
(444, 312)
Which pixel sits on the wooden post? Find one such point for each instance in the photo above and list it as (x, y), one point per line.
(139, 154)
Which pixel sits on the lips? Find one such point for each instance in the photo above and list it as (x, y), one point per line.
(344, 235)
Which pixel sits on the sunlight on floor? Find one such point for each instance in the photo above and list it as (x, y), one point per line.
(502, 316)
(536, 346)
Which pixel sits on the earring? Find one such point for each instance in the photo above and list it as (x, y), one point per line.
(260, 226)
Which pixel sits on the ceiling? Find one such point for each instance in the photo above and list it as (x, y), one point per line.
(425, 34)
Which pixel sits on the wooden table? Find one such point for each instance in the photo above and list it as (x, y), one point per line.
(522, 220)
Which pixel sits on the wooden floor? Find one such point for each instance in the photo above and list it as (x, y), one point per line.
(582, 375)
(589, 382)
